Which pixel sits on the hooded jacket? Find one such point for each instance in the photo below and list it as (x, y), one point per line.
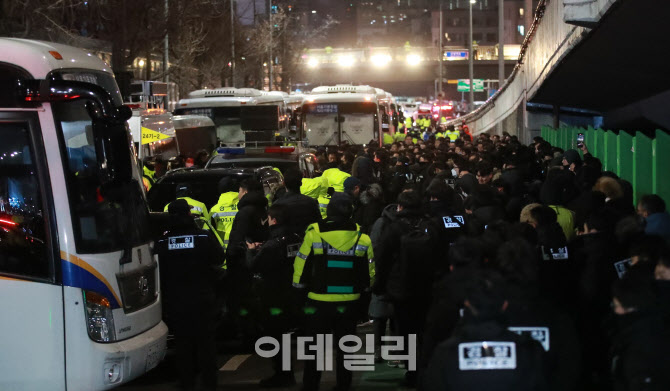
(370, 208)
(302, 211)
(335, 238)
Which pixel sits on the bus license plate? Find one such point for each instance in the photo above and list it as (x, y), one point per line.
(154, 356)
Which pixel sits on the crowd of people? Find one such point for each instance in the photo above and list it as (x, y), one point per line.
(516, 267)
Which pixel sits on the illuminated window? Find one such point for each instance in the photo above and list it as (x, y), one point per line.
(521, 29)
(520, 11)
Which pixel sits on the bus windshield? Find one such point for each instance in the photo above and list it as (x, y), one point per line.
(107, 215)
(226, 119)
(333, 123)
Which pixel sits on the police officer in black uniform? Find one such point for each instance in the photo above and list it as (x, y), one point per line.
(272, 267)
(482, 354)
(191, 261)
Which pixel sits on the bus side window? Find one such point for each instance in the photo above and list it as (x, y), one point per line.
(23, 249)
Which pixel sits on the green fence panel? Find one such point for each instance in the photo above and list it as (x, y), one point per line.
(599, 150)
(661, 166)
(625, 156)
(609, 158)
(590, 138)
(544, 133)
(643, 182)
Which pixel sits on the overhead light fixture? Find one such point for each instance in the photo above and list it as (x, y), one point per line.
(380, 60)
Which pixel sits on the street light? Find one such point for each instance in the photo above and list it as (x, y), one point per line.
(380, 60)
(413, 59)
(346, 61)
(312, 62)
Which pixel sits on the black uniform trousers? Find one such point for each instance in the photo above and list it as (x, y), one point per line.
(338, 319)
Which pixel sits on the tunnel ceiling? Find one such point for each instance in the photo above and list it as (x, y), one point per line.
(623, 60)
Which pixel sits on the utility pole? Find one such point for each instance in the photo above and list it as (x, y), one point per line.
(471, 63)
(501, 50)
(440, 54)
(271, 32)
(166, 46)
(232, 43)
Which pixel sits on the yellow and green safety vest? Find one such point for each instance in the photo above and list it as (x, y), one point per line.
(198, 209)
(223, 214)
(346, 253)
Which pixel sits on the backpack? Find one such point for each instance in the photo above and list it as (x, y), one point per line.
(413, 272)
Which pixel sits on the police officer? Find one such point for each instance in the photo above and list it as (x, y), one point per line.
(223, 213)
(387, 137)
(302, 210)
(333, 269)
(272, 268)
(452, 133)
(249, 226)
(198, 209)
(190, 258)
(482, 354)
(148, 174)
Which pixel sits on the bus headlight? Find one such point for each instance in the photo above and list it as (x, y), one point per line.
(99, 317)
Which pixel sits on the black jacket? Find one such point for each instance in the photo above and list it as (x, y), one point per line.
(453, 366)
(640, 352)
(529, 314)
(272, 267)
(302, 211)
(190, 260)
(250, 224)
(391, 278)
(370, 207)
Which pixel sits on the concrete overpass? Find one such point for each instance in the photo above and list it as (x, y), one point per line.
(586, 62)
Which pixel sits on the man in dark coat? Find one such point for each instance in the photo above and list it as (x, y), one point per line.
(301, 209)
(250, 226)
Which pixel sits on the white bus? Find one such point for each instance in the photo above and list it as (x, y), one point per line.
(81, 306)
(333, 115)
(223, 106)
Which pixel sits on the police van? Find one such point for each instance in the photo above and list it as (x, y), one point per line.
(333, 115)
(226, 107)
(81, 305)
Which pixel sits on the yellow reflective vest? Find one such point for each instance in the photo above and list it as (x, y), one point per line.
(335, 178)
(453, 135)
(388, 139)
(311, 187)
(352, 251)
(198, 209)
(223, 215)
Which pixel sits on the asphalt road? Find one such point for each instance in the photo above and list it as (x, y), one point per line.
(241, 369)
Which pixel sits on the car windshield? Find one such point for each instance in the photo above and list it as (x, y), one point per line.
(106, 216)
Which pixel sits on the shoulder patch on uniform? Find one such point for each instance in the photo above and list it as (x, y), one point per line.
(540, 334)
(486, 355)
(180, 242)
(622, 267)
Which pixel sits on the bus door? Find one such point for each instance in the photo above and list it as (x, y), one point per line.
(32, 325)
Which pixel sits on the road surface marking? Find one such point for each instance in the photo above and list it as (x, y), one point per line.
(235, 362)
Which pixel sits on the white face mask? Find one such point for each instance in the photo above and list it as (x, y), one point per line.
(454, 173)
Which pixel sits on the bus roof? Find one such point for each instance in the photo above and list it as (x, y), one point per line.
(228, 92)
(40, 57)
(343, 88)
(352, 97)
(220, 101)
